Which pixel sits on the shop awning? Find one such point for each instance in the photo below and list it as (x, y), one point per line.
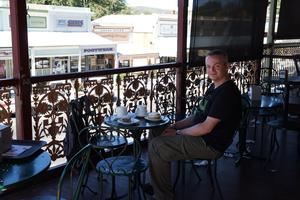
(57, 39)
(131, 51)
(63, 43)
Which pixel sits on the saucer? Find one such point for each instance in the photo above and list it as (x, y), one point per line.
(133, 121)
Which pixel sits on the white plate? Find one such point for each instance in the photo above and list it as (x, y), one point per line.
(133, 121)
(153, 120)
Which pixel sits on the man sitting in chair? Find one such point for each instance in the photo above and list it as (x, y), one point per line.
(203, 135)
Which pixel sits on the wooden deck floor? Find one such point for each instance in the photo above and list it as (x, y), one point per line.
(249, 181)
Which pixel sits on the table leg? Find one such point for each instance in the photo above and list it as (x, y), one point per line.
(136, 135)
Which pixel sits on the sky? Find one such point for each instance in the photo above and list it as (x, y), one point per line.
(165, 4)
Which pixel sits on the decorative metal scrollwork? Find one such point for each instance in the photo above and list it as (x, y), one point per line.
(50, 113)
(101, 95)
(196, 84)
(164, 91)
(282, 50)
(5, 103)
(243, 74)
(135, 90)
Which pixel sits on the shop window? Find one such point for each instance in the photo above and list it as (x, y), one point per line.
(42, 63)
(2, 69)
(125, 63)
(74, 64)
(165, 59)
(60, 65)
(83, 63)
(110, 63)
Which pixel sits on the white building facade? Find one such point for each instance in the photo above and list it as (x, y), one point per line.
(60, 41)
(142, 39)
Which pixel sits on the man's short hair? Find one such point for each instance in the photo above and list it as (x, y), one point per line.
(218, 52)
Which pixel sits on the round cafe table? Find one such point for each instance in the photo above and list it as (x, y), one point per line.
(17, 172)
(136, 129)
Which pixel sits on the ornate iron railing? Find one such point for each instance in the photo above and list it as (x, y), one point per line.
(154, 88)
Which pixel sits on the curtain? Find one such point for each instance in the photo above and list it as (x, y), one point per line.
(236, 26)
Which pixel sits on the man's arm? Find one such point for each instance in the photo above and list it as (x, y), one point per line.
(171, 130)
(202, 128)
(186, 122)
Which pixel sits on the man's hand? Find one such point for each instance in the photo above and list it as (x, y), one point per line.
(169, 132)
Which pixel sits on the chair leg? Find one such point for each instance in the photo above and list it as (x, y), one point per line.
(217, 182)
(273, 141)
(177, 174)
(140, 187)
(183, 172)
(276, 140)
(86, 186)
(210, 175)
(129, 188)
(101, 185)
(272, 144)
(262, 135)
(255, 128)
(196, 171)
(182, 164)
(113, 189)
(214, 176)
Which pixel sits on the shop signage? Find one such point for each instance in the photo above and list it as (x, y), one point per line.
(75, 23)
(69, 23)
(95, 51)
(61, 22)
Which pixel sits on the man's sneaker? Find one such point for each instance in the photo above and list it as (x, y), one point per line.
(201, 163)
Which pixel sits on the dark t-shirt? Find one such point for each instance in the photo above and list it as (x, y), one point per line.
(223, 103)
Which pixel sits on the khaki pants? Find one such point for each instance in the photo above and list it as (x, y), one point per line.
(164, 149)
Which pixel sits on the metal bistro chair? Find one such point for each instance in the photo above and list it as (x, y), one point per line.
(71, 182)
(84, 114)
(213, 174)
(265, 114)
(198, 107)
(118, 165)
(242, 129)
(78, 163)
(288, 121)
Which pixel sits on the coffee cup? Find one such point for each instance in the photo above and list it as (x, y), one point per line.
(141, 111)
(121, 111)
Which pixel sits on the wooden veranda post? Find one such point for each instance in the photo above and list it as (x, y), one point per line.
(21, 71)
(181, 58)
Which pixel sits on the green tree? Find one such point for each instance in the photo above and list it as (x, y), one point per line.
(99, 7)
